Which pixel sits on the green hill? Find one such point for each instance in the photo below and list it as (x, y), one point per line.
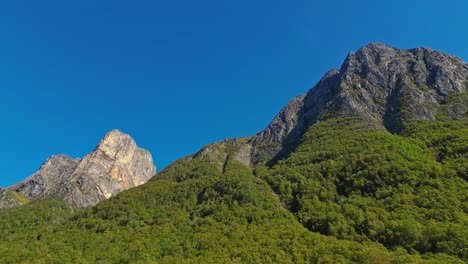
(351, 172)
(346, 194)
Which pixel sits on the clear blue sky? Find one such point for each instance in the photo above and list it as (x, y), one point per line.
(180, 74)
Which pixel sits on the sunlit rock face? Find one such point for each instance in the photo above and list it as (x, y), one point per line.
(116, 164)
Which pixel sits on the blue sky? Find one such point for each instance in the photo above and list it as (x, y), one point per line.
(180, 74)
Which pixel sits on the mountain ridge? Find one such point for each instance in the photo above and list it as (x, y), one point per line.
(386, 86)
(369, 166)
(115, 164)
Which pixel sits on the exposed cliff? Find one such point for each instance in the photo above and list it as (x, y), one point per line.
(385, 86)
(116, 164)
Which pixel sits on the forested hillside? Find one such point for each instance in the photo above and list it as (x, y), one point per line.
(348, 193)
(370, 166)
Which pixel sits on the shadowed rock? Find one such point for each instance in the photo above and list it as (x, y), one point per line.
(382, 85)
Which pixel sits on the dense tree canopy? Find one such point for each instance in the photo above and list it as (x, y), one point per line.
(347, 194)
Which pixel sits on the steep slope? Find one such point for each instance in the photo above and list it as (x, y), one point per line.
(116, 164)
(397, 128)
(370, 166)
(385, 86)
(190, 213)
(352, 182)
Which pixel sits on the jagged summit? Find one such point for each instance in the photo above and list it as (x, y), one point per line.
(380, 84)
(115, 145)
(113, 138)
(116, 164)
(57, 159)
(374, 48)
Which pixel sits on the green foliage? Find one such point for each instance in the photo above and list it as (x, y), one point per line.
(18, 196)
(352, 182)
(447, 139)
(231, 217)
(346, 194)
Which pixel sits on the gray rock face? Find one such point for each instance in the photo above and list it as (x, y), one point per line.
(48, 178)
(116, 164)
(390, 86)
(7, 199)
(383, 85)
(294, 119)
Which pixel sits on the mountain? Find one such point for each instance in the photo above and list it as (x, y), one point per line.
(116, 164)
(382, 85)
(369, 166)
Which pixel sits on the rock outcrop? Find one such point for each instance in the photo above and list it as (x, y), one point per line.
(8, 199)
(382, 85)
(116, 164)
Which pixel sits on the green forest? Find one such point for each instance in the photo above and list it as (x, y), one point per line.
(348, 193)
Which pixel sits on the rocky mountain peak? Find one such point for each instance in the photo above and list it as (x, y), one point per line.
(387, 67)
(114, 142)
(57, 160)
(382, 85)
(368, 57)
(116, 164)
